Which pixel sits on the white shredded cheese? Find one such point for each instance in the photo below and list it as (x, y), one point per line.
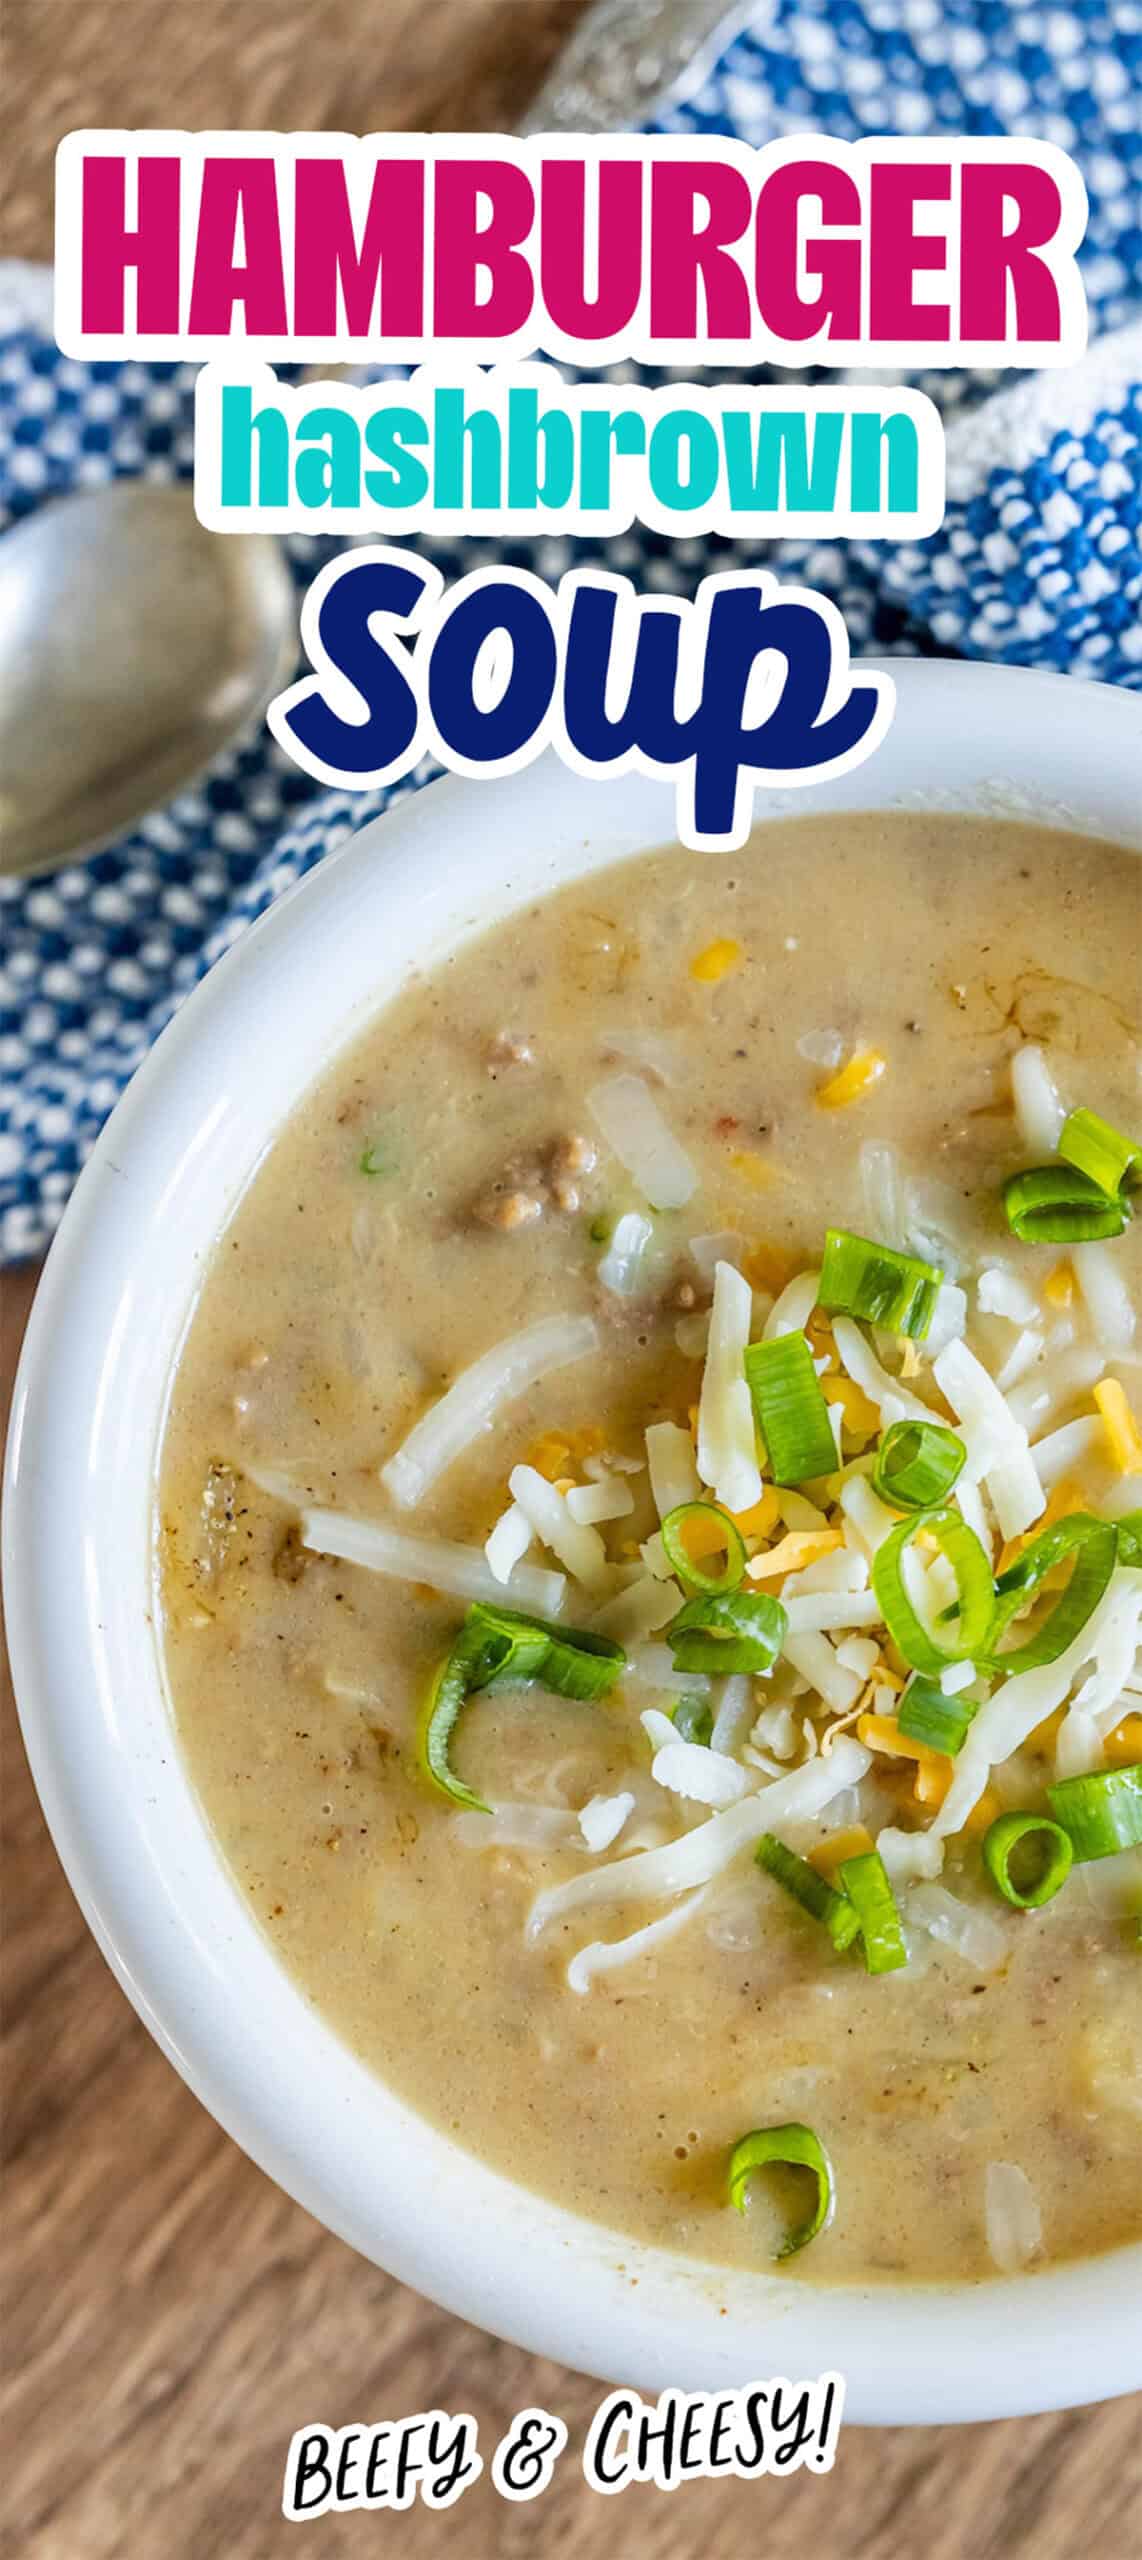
(1026, 1349)
(727, 1439)
(639, 1135)
(795, 1511)
(860, 1654)
(603, 1818)
(660, 1053)
(949, 1318)
(974, 1935)
(1001, 1292)
(841, 1570)
(508, 1542)
(815, 1658)
(790, 1312)
(472, 1402)
(1054, 1381)
(1066, 1448)
(698, 1772)
(776, 1732)
(606, 1498)
(606, 1955)
(639, 1611)
(658, 1727)
(958, 1676)
(734, 1715)
(1105, 1296)
(1014, 2221)
(651, 1666)
(865, 1513)
(439, 1562)
(996, 1443)
(577, 1546)
(907, 1855)
(817, 1613)
(1039, 1114)
(895, 1401)
(621, 1268)
(707, 1251)
(969, 1501)
(674, 1475)
(656, 1875)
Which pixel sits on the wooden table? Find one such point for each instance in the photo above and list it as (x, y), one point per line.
(171, 2318)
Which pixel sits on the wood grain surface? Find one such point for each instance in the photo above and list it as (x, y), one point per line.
(169, 2317)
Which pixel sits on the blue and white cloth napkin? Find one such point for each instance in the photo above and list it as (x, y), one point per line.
(1039, 562)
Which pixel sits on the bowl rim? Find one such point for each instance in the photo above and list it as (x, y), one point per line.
(133, 1840)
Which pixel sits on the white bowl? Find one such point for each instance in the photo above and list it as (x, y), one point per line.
(106, 1328)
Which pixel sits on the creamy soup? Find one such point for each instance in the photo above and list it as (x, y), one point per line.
(706, 1847)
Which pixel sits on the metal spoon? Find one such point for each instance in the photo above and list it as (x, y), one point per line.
(133, 646)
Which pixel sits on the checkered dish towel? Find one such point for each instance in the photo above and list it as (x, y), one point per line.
(1039, 562)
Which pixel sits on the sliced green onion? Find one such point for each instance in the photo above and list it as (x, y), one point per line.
(976, 1595)
(896, 1290)
(1100, 1151)
(1056, 1204)
(927, 1716)
(785, 2146)
(1129, 1530)
(1055, 1858)
(726, 1535)
(868, 1889)
(501, 1649)
(1101, 1814)
(812, 1891)
(451, 1687)
(374, 1160)
(728, 1631)
(917, 1463)
(1095, 1546)
(790, 1408)
(693, 1720)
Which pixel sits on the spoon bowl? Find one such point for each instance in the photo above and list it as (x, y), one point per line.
(134, 645)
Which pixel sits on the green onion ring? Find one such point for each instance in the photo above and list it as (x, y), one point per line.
(501, 1649)
(1100, 1151)
(1095, 1546)
(728, 1631)
(1129, 1530)
(1056, 1204)
(917, 1463)
(1103, 1813)
(692, 1575)
(972, 1569)
(1004, 1836)
(693, 1720)
(868, 1889)
(811, 1890)
(791, 1409)
(896, 1290)
(785, 2146)
(927, 1716)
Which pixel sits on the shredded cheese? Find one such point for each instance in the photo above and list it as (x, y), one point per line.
(473, 1401)
(606, 1955)
(800, 1547)
(853, 1080)
(727, 1437)
(716, 961)
(1121, 1428)
(830, 1853)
